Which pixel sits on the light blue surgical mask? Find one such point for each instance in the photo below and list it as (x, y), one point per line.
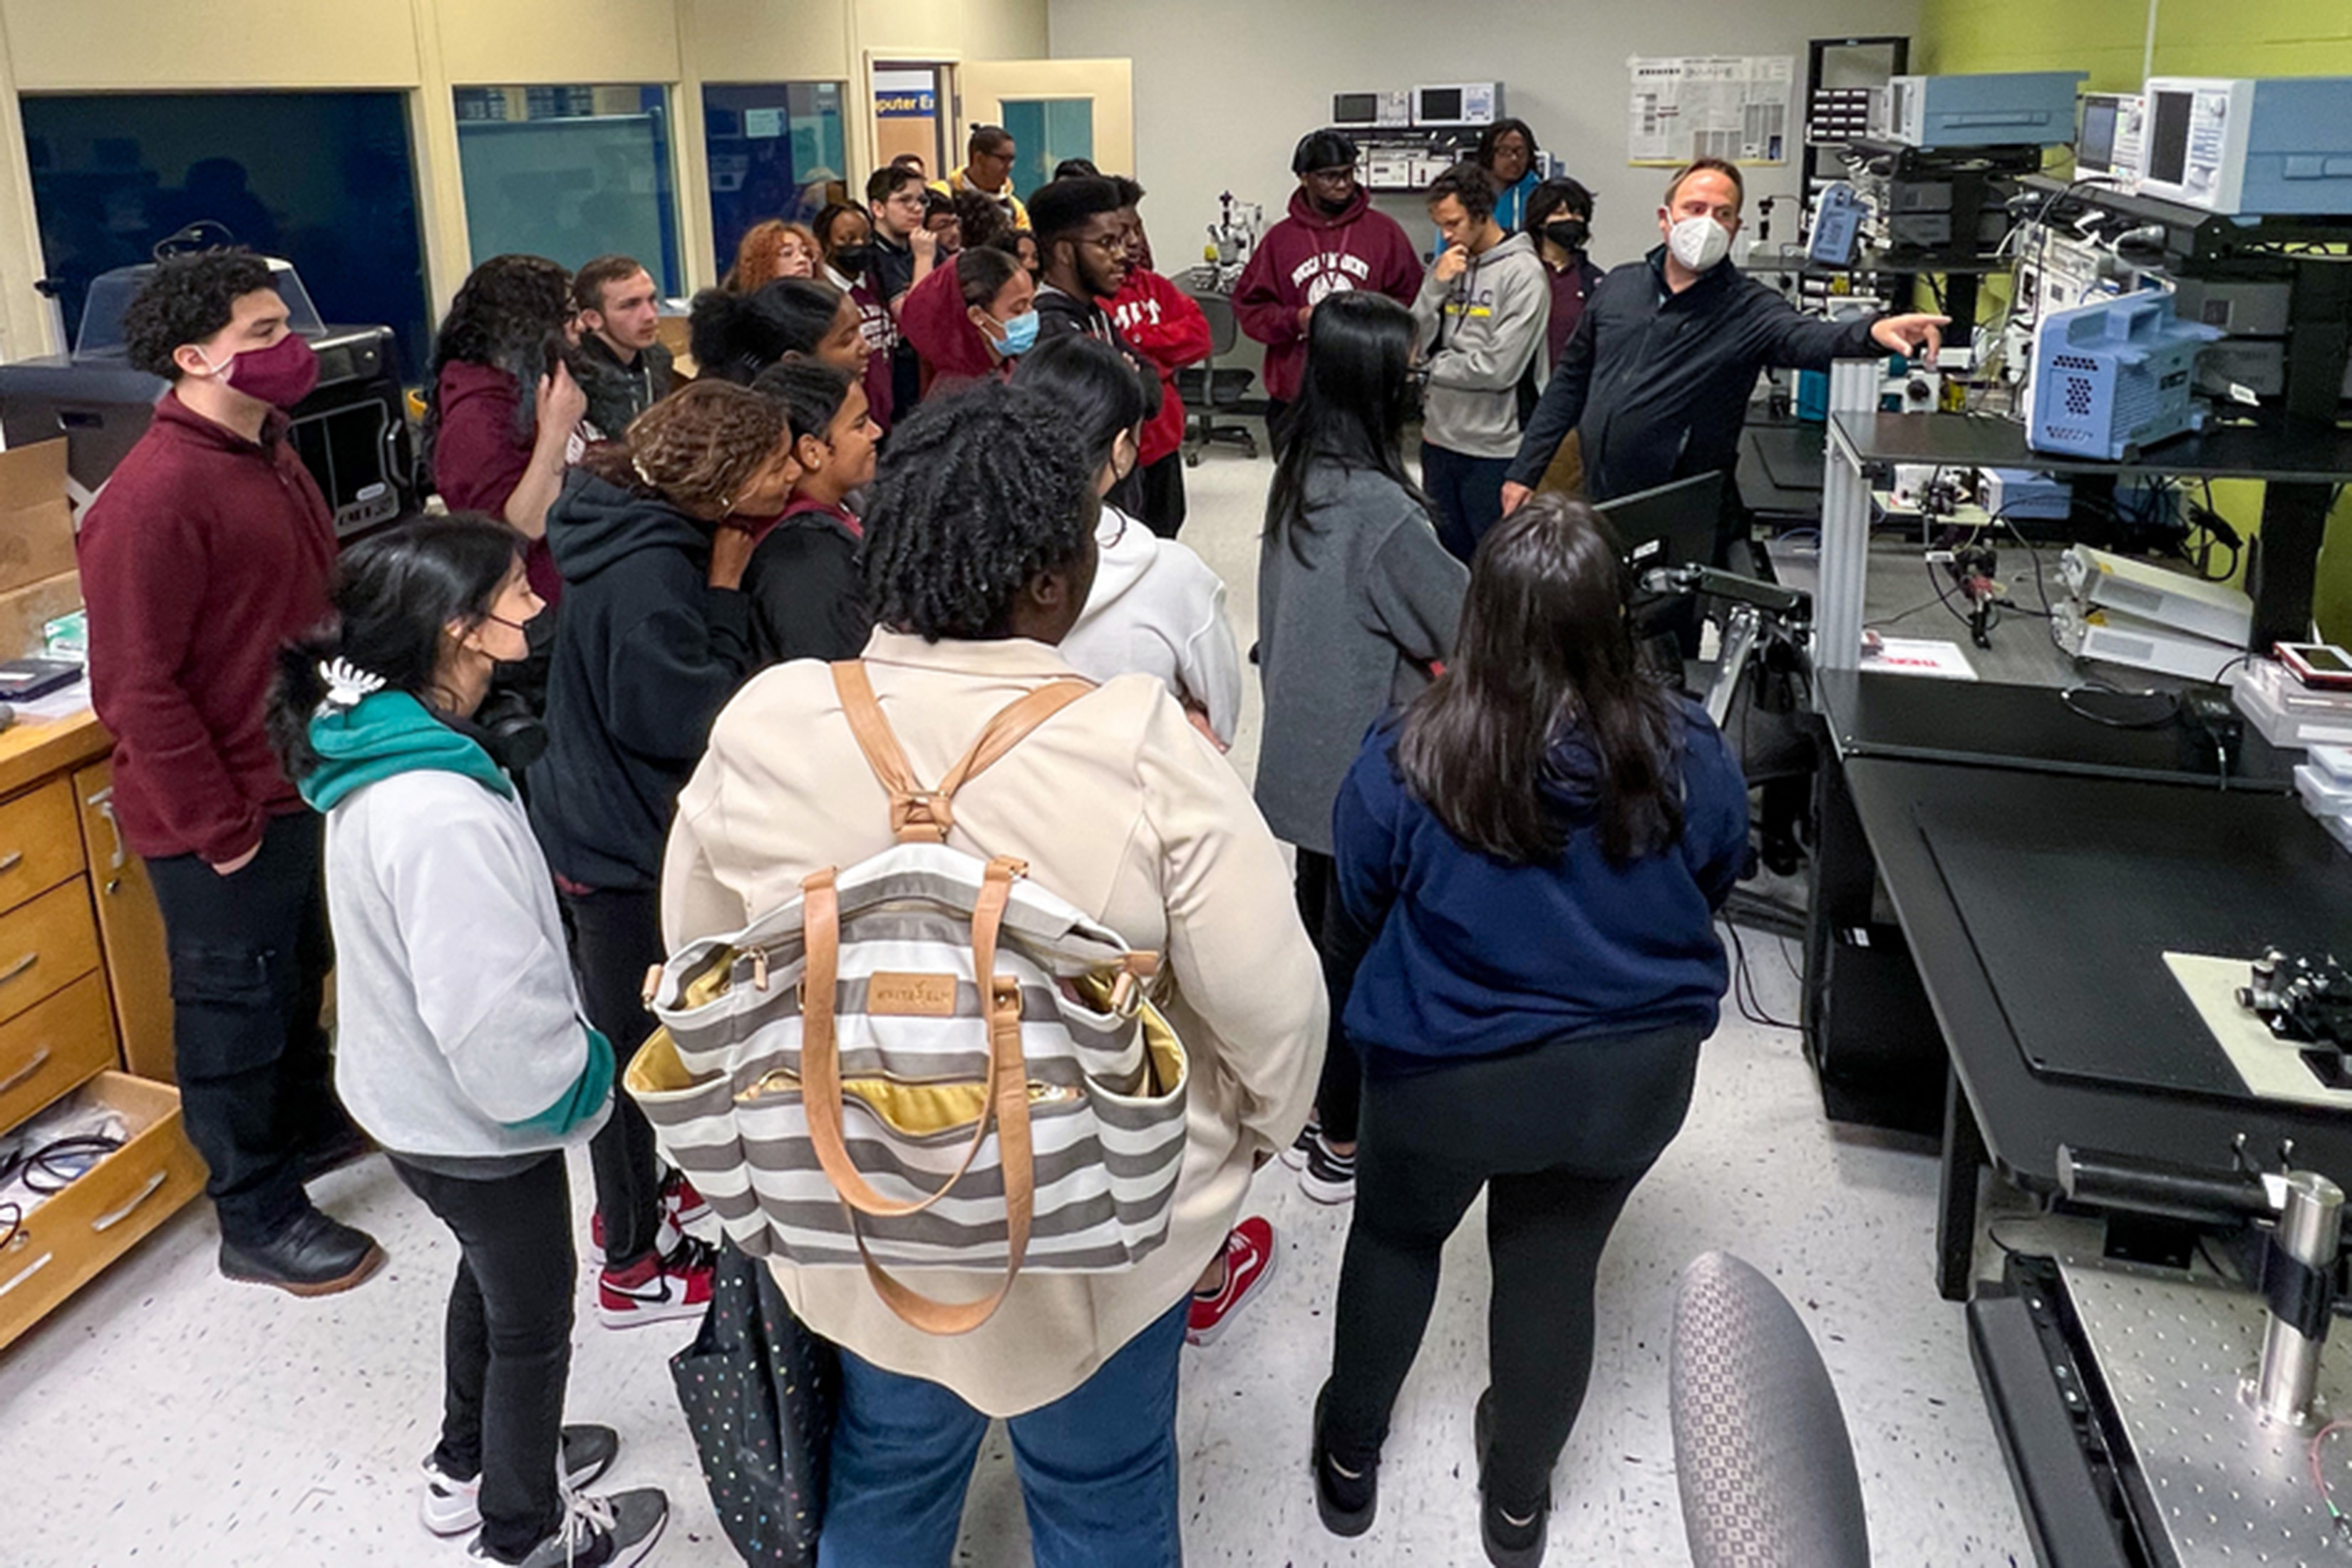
(1020, 335)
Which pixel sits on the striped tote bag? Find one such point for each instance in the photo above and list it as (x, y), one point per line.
(923, 1062)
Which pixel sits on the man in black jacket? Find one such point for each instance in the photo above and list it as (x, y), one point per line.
(626, 369)
(1657, 380)
(1082, 260)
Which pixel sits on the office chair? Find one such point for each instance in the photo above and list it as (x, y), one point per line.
(1762, 1452)
(1205, 389)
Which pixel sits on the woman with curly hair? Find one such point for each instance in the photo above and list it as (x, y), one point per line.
(771, 250)
(651, 532)
(504, 422)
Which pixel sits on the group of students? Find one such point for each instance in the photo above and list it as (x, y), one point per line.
(1489, 963)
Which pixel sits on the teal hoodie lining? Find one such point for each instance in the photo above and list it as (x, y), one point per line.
(384, 735)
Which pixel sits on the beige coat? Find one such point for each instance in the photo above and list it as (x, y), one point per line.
(1119, 805)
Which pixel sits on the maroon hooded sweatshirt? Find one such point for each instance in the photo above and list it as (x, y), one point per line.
(203, 553)
(1311, 254)
(935, 318)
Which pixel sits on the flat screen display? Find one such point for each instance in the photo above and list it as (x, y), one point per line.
(1355, 107)
(2095, 150)
(1440, 104)
(2168, 137)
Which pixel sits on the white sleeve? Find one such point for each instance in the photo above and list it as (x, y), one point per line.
(1210, 663)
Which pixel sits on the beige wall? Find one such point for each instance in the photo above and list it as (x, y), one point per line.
(428, 47)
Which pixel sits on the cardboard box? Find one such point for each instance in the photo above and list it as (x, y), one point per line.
(37, 525)
(25, 611)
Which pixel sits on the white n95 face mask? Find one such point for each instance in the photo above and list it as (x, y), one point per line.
(1699, 243)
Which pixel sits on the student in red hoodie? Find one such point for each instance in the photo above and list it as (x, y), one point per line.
(1332, 242)
(210, 548)
(971, 318)
(1163, 324)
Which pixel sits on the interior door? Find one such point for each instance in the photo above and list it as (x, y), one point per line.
(1056, 110)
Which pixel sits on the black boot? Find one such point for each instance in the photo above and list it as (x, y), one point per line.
(314, 1256)
(1346, 1502)
(1513, 1537)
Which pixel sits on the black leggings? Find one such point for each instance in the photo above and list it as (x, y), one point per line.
(1340, 943)
(616, 937)
(507, 1347)
(1559, 1135)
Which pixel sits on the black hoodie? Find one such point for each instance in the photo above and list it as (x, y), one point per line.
(806, 598)
(647, 654)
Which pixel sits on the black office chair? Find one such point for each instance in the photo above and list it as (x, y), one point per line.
(1205, 389)
(1762, 1453)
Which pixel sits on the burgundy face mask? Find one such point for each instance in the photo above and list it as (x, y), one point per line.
(281, 376)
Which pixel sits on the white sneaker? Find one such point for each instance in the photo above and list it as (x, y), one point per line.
(452, 1507)
(614, 1531)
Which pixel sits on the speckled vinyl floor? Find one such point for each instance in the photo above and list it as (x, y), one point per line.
(166, 1416)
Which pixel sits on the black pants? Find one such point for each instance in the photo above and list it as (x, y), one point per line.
(1340, 943)
(1163, 495)
(1278, 416)
(1469, 496)
(507, 1346)
(616, 937)
(1559, 1135)
(249, 959)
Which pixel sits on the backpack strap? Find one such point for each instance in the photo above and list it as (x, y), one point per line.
(1006, 1093)
(920, 815)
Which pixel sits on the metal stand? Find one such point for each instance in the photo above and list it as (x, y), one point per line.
(1845, 523)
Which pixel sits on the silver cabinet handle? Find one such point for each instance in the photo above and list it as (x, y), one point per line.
(109, 1221)
(27, 1274)
(103, 804)
(18, 967)
(40, 1060)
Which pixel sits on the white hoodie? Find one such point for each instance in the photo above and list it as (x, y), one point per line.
(1157, 609)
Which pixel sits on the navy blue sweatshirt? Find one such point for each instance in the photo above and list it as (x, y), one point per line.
(1472, 957)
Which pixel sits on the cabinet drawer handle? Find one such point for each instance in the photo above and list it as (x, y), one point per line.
(40, 1060)
(103, 801)
(19, 967)
(28, 1273)
(11, 861)
(109, 1221)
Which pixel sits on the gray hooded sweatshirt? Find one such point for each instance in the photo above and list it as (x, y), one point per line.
(1481, 336)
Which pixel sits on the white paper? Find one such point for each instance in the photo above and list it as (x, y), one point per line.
(760, 124)
(1930, 657)
(63, 703)
(1709, 105)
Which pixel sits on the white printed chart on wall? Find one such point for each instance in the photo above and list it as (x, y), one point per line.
(1734, 107)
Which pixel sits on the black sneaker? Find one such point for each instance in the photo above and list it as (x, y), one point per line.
(614, 1531)
(314, 1256)
(1513, 1538)
(1346, 1502)
(1296, 1155)
(341, 1145)
(1327, 1177)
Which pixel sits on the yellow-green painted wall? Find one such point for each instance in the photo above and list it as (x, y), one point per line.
(2193, 38)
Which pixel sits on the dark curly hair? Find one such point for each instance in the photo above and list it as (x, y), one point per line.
(186, 300)
(1469, 184)
(977, 493)
(980, 218)
(509, 315)
(696, 448)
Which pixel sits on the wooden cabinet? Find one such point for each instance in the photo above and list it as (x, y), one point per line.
(85, 991)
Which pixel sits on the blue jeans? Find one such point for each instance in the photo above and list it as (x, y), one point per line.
(1097, 1466)
(1469, 496)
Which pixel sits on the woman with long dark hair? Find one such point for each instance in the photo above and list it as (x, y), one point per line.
(504, 421)
(734, 337)
(653, 532)
(461, 1050)
(1539, 849)
(1356, 601)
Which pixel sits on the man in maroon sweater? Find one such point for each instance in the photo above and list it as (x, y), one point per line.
(208, 549)
(1332, 242)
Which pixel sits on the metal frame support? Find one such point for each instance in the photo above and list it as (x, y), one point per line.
(1845, 522)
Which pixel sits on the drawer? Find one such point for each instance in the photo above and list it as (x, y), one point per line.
(45, 946)
(96, 1220)
(40, 842)
(53, 1045)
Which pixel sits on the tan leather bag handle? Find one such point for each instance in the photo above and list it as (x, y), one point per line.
(919, 815)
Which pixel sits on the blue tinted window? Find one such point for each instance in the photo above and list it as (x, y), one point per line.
(323, 179)
(570, 173)
(773, 149)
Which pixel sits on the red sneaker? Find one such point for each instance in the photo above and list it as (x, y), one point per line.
(680, 1207)
(657, 1289)
(1249, 1264)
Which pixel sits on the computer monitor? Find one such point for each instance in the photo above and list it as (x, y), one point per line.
(1673, 525)
(2094, 149)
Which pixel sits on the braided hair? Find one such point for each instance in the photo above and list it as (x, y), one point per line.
(978, 492)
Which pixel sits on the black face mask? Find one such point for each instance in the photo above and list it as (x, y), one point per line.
(1333, 209)
(850, 260)
(1568, 233)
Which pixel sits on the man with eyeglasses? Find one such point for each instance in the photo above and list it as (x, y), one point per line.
(1332, 242)
(988, 171)
(902, 255)
(1083, 248)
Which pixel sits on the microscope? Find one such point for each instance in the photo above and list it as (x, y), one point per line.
(1232, 239)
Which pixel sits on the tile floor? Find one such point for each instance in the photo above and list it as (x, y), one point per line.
(166, 1416)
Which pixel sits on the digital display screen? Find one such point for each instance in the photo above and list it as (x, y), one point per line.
(2095, 149)
(1440, 103)
(1355, 107)
(2325, 659)
(2167, 137)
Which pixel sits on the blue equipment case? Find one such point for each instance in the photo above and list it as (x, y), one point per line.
(2114, 376)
